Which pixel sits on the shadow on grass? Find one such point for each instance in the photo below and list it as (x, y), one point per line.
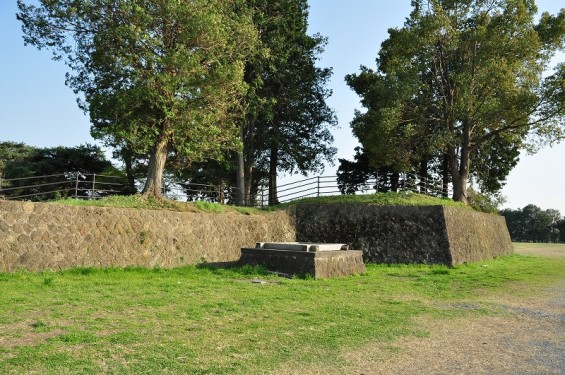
(236, 268)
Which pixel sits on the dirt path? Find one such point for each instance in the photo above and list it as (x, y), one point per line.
(527, 337)
(529, 340)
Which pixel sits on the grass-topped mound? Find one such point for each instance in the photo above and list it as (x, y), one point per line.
(139, 201)
(384, 199)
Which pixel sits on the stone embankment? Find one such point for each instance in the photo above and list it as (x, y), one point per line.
(40, 236)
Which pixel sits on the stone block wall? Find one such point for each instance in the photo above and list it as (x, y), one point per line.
(406, 234)
(39, 236)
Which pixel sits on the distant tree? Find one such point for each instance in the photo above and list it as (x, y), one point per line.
(53, 169)
(13, 151)
(532, 224)
(555, 217)
(161, 76)
(560, 226)
(463, 80)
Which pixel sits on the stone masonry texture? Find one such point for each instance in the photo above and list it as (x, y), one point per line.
(406, 234)
(47, 236)
(40, 236)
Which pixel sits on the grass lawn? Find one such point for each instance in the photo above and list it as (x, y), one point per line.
(199, 320)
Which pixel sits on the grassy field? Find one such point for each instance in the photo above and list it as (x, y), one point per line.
(200, 320)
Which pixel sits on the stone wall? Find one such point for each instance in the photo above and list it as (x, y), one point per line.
(39, 236)
(406, 234)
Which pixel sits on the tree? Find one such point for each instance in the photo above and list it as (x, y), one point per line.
(463, 80)
(532, 224)
(560, 227)
(287, 120)
(53, 169)
(163, 77)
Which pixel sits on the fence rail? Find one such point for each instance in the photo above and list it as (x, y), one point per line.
(95, 186)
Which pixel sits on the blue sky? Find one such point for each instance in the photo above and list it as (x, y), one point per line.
(38, 109)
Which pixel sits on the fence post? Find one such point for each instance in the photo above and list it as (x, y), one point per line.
(76, 186)
(93, 185)
(318, 186)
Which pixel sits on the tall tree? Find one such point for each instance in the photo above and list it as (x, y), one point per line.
(464, 79)
(162, 76)
(287, 119)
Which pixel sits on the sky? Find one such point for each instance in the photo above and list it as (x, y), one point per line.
(38, 109)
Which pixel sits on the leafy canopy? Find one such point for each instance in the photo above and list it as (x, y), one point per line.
(161, 76)
(463, 79)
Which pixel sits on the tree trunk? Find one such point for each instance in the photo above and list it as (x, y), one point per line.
(157, 158)
(128, 163)
(273, 164)
(394, 182)
(460, 174)
(248, 178)
(423, 172)
(240, 192)
(445, 176)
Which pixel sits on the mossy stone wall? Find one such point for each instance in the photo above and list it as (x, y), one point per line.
(406, 234)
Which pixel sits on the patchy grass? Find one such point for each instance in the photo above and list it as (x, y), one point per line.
(138, 201)
(384, 199)
(202, 320)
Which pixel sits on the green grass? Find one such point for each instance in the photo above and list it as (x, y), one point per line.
(389, 199)
(201, 320)
(138, 201)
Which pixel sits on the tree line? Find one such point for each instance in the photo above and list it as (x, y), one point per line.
(532, 224)
(230, 92)
(53, 170)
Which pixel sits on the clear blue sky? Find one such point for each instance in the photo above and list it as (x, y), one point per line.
(38, 109)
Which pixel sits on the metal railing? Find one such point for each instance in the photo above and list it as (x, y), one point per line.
(96, 186)
(73, 184)
(329, 186)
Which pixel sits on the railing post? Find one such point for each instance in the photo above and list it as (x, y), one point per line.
(76, 186)
(318, 186)
(93, 185)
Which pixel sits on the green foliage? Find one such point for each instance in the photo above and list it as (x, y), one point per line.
(286, 120)
(464, 81)
(160, 78)
(532, 224)
(217, 320)
(485, 202)
(53, 169)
